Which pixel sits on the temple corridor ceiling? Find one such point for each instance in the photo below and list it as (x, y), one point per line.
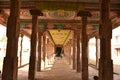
(63, 12)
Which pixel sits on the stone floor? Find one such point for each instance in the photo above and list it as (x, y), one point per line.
(59, 70)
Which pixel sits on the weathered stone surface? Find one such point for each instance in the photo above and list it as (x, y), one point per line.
(74, 50)
(11, 61)
(105, 64)
(32, 63)
(39, 52)
(84, 49)
(10, 69)
(78, 51)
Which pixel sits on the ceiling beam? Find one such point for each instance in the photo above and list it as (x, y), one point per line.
(87, 5)
(58, 21)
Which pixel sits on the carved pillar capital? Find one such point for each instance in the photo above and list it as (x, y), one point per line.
(84, 13)
(36, 12)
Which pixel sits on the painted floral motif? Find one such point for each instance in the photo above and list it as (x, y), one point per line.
(61, 14)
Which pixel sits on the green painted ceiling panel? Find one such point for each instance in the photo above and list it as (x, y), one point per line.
(41, 26)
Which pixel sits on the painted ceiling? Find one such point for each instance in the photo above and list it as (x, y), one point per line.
(68, 0)
(59, 36)
(63, 12)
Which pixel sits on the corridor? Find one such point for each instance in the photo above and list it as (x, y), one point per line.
(60, 70)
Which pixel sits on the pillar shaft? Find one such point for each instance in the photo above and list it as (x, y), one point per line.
(21, 47)
(32, 62)
(97, 51)
(78, 51)
(74, 50)
(39, 52)
(11, 60)
(44, 53)
(84, 15)
(44, 48)
(69, 52)
(84, 49)
(32, 67)
(105, 62)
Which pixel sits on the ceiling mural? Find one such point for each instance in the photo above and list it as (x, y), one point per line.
(25, 14)
(57, 14)
(59, 36)
(43, 26)
(50, 25)
(61, 14)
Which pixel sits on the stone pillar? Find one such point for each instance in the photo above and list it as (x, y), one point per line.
(84, 50)
(21, 49)
(32, 63)
(44, 49)
(78, 50)
(105, 62)
(69, 51)
(84, 15)
(10, 65)
(97, 51)
(74, 50)
(70, 40)
(40, 32)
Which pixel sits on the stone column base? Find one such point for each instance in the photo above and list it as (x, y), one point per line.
(38, 66)
(105, 69)
(32, 68)
(10, 68)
